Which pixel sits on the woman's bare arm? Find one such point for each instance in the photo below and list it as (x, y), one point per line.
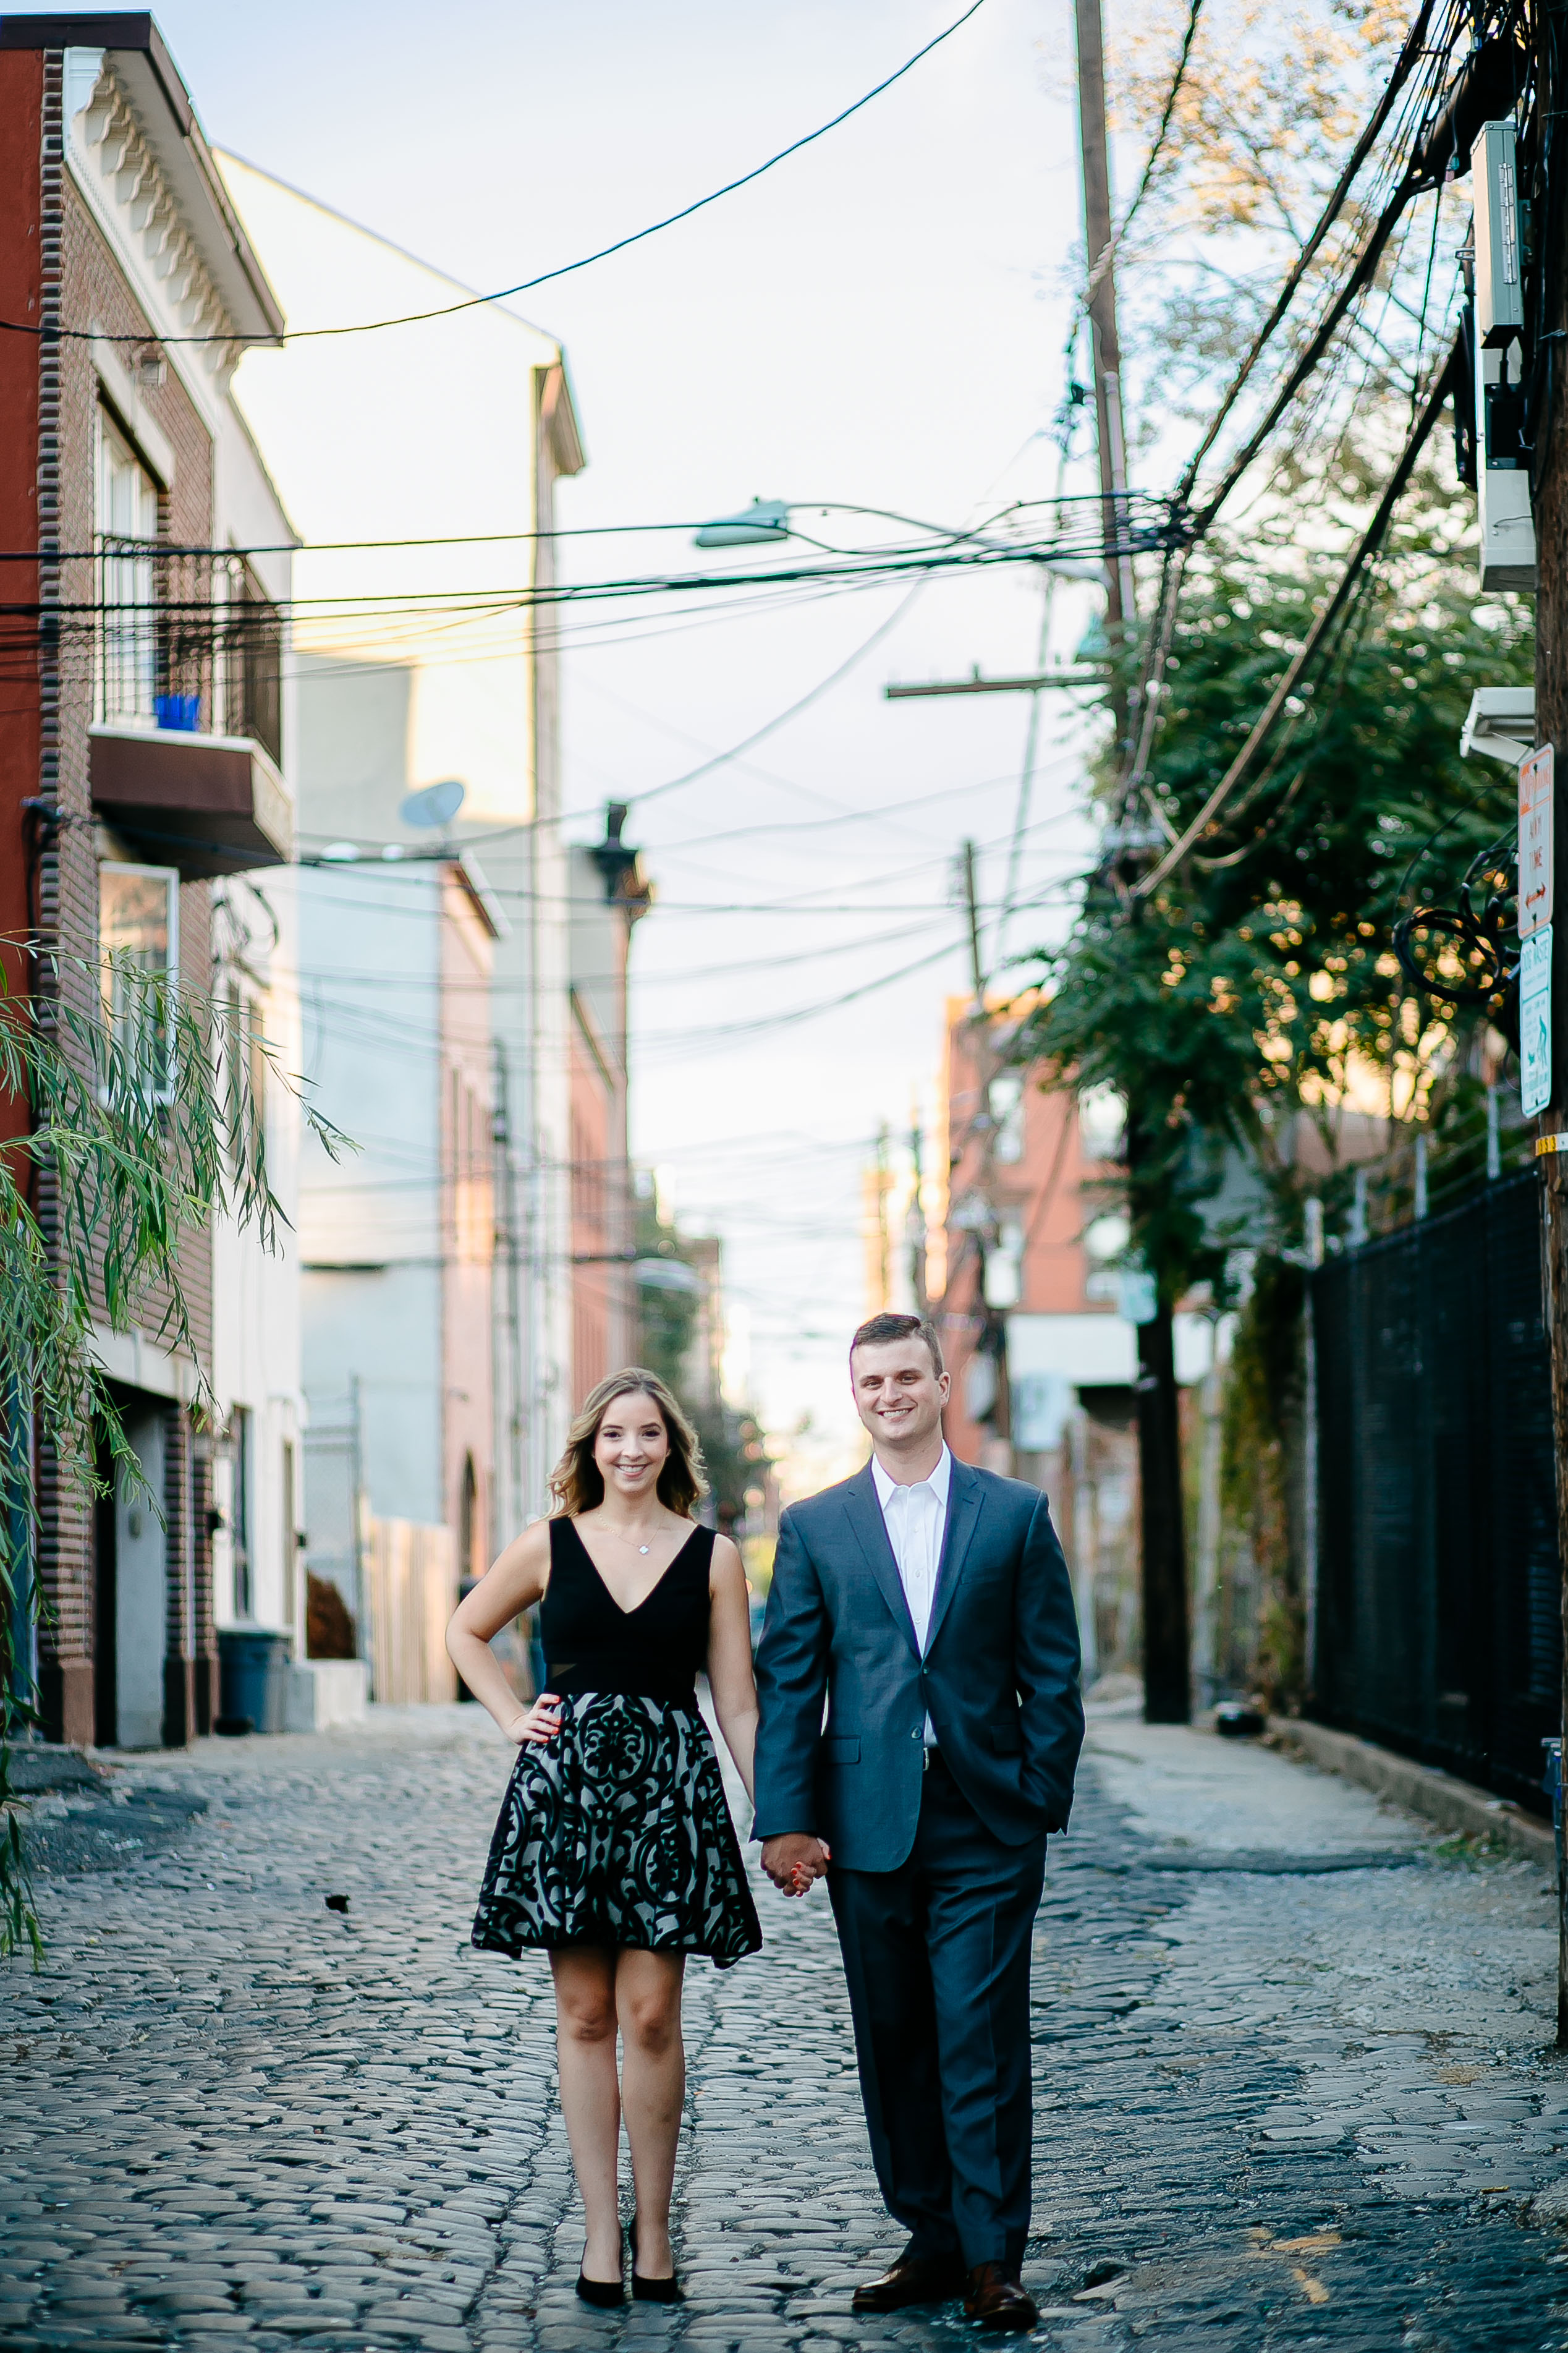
(515, 1582)
(730, 1676)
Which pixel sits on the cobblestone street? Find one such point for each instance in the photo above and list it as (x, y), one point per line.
(1293, 2081)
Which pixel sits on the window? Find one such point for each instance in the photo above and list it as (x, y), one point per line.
(139, 944)
(127, 526)
(239, 1515)
(1005, 1100)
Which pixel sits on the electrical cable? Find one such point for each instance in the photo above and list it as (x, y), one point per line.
(1367, 544)
(1410, 55)
(722, 759)
(526, 285)
(1196, 527)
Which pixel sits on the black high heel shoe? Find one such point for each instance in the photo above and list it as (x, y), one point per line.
(605, 2293)
(651, 2291)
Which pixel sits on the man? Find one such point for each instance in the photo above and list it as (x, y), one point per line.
(929, 1604)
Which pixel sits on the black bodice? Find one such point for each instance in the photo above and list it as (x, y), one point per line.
(591, 1644)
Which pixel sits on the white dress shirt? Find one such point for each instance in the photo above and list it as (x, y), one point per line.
(915, 1518)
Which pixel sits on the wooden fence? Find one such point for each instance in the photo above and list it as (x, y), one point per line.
(411, 1581)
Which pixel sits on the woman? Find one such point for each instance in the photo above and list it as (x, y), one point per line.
(615, 1850)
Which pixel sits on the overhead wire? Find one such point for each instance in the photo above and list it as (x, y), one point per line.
(1325, 621)
(546, 277)
(1194, 526)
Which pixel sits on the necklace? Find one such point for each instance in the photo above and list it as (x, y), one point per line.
(626, 1540)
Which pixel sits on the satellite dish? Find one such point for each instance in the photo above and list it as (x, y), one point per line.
(432, 807)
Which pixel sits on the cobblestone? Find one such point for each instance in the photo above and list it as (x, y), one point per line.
(1292, 2077)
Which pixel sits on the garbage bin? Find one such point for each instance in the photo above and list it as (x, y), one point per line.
(253, 1679)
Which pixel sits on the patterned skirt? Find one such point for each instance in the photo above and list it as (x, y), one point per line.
(618, 1832)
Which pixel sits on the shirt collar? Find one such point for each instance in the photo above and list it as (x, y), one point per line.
(938, 1481)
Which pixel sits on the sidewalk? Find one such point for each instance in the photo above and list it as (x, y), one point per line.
(1292, 2082)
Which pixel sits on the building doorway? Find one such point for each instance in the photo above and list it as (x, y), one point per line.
(138, 1576)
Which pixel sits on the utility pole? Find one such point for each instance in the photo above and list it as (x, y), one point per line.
(1167, 1653)
(1550, 436)
(993, 1343)
(971, 908)
(915, 1230)
(1167, 1672)
(1105, 343)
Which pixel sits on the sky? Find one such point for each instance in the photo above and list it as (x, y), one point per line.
(879, 323)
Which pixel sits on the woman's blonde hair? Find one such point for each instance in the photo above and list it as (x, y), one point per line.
(577, 1484)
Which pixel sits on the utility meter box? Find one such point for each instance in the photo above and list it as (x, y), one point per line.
(1502, 472)
(1500, 260)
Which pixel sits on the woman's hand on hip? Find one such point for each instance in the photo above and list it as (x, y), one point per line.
(540, 1722)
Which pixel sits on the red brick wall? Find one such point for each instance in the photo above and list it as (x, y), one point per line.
(21, 291)
(80, 284)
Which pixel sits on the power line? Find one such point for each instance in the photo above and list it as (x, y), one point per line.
(526, 285)
(1366, 547)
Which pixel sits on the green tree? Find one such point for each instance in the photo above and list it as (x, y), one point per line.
(735, 1452)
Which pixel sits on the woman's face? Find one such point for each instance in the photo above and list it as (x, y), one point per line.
(631, 1446)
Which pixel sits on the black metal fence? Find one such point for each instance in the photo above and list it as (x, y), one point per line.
(1437, 1626)
(188, 639)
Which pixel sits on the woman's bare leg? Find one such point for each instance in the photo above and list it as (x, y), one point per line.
(590, 2101)
(652, 2091)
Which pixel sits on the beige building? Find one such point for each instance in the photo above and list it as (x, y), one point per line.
(422, 665)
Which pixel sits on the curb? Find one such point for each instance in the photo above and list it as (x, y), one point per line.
(1453, 1804)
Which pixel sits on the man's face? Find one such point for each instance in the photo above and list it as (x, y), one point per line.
(898, 1393)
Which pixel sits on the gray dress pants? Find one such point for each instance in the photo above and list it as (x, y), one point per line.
(937, 1959)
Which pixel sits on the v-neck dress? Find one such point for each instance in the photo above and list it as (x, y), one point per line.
(616, 1831)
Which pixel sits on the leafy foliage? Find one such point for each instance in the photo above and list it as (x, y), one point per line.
(734, 1452)
(1261, 977)
(140, 1128)
(1271, 103)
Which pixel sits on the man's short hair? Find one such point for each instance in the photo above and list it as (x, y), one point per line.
(877, 1329)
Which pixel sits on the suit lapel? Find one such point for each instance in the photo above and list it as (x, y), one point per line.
(964, 1494)
(864, 1513)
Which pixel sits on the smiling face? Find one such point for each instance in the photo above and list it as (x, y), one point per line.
(898, 1393)
(631, 1446)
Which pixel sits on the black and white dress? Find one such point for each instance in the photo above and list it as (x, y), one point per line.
(616, 1831)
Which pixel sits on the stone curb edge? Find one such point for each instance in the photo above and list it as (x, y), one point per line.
(1453, 1804)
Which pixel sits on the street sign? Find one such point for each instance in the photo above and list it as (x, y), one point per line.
(1535, 1023)
(1535, 841)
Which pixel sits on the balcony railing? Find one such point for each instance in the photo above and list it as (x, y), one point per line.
(188, 639)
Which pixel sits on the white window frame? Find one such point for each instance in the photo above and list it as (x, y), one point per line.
(126, 670)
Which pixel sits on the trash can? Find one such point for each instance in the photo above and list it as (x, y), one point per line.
(253, 1679)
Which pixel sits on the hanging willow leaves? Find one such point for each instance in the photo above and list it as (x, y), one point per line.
(141, 1127)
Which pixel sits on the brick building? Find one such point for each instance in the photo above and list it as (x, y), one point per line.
(142, 783)
(1028, 1293)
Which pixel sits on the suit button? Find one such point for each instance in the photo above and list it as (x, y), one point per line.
(916, 1732)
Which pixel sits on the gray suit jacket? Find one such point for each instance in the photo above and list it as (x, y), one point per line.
(1000, 1676)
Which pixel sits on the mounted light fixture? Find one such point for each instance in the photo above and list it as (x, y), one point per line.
(764, 520)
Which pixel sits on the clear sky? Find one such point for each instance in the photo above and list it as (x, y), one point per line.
(879, 322)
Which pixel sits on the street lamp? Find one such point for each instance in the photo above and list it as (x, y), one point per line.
(765, 520)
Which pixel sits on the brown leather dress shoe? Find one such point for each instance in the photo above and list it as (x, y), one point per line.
(995, 2301)
(913, 2279)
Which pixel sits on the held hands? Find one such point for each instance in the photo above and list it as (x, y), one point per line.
(793, 1860)
(541, 1721)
